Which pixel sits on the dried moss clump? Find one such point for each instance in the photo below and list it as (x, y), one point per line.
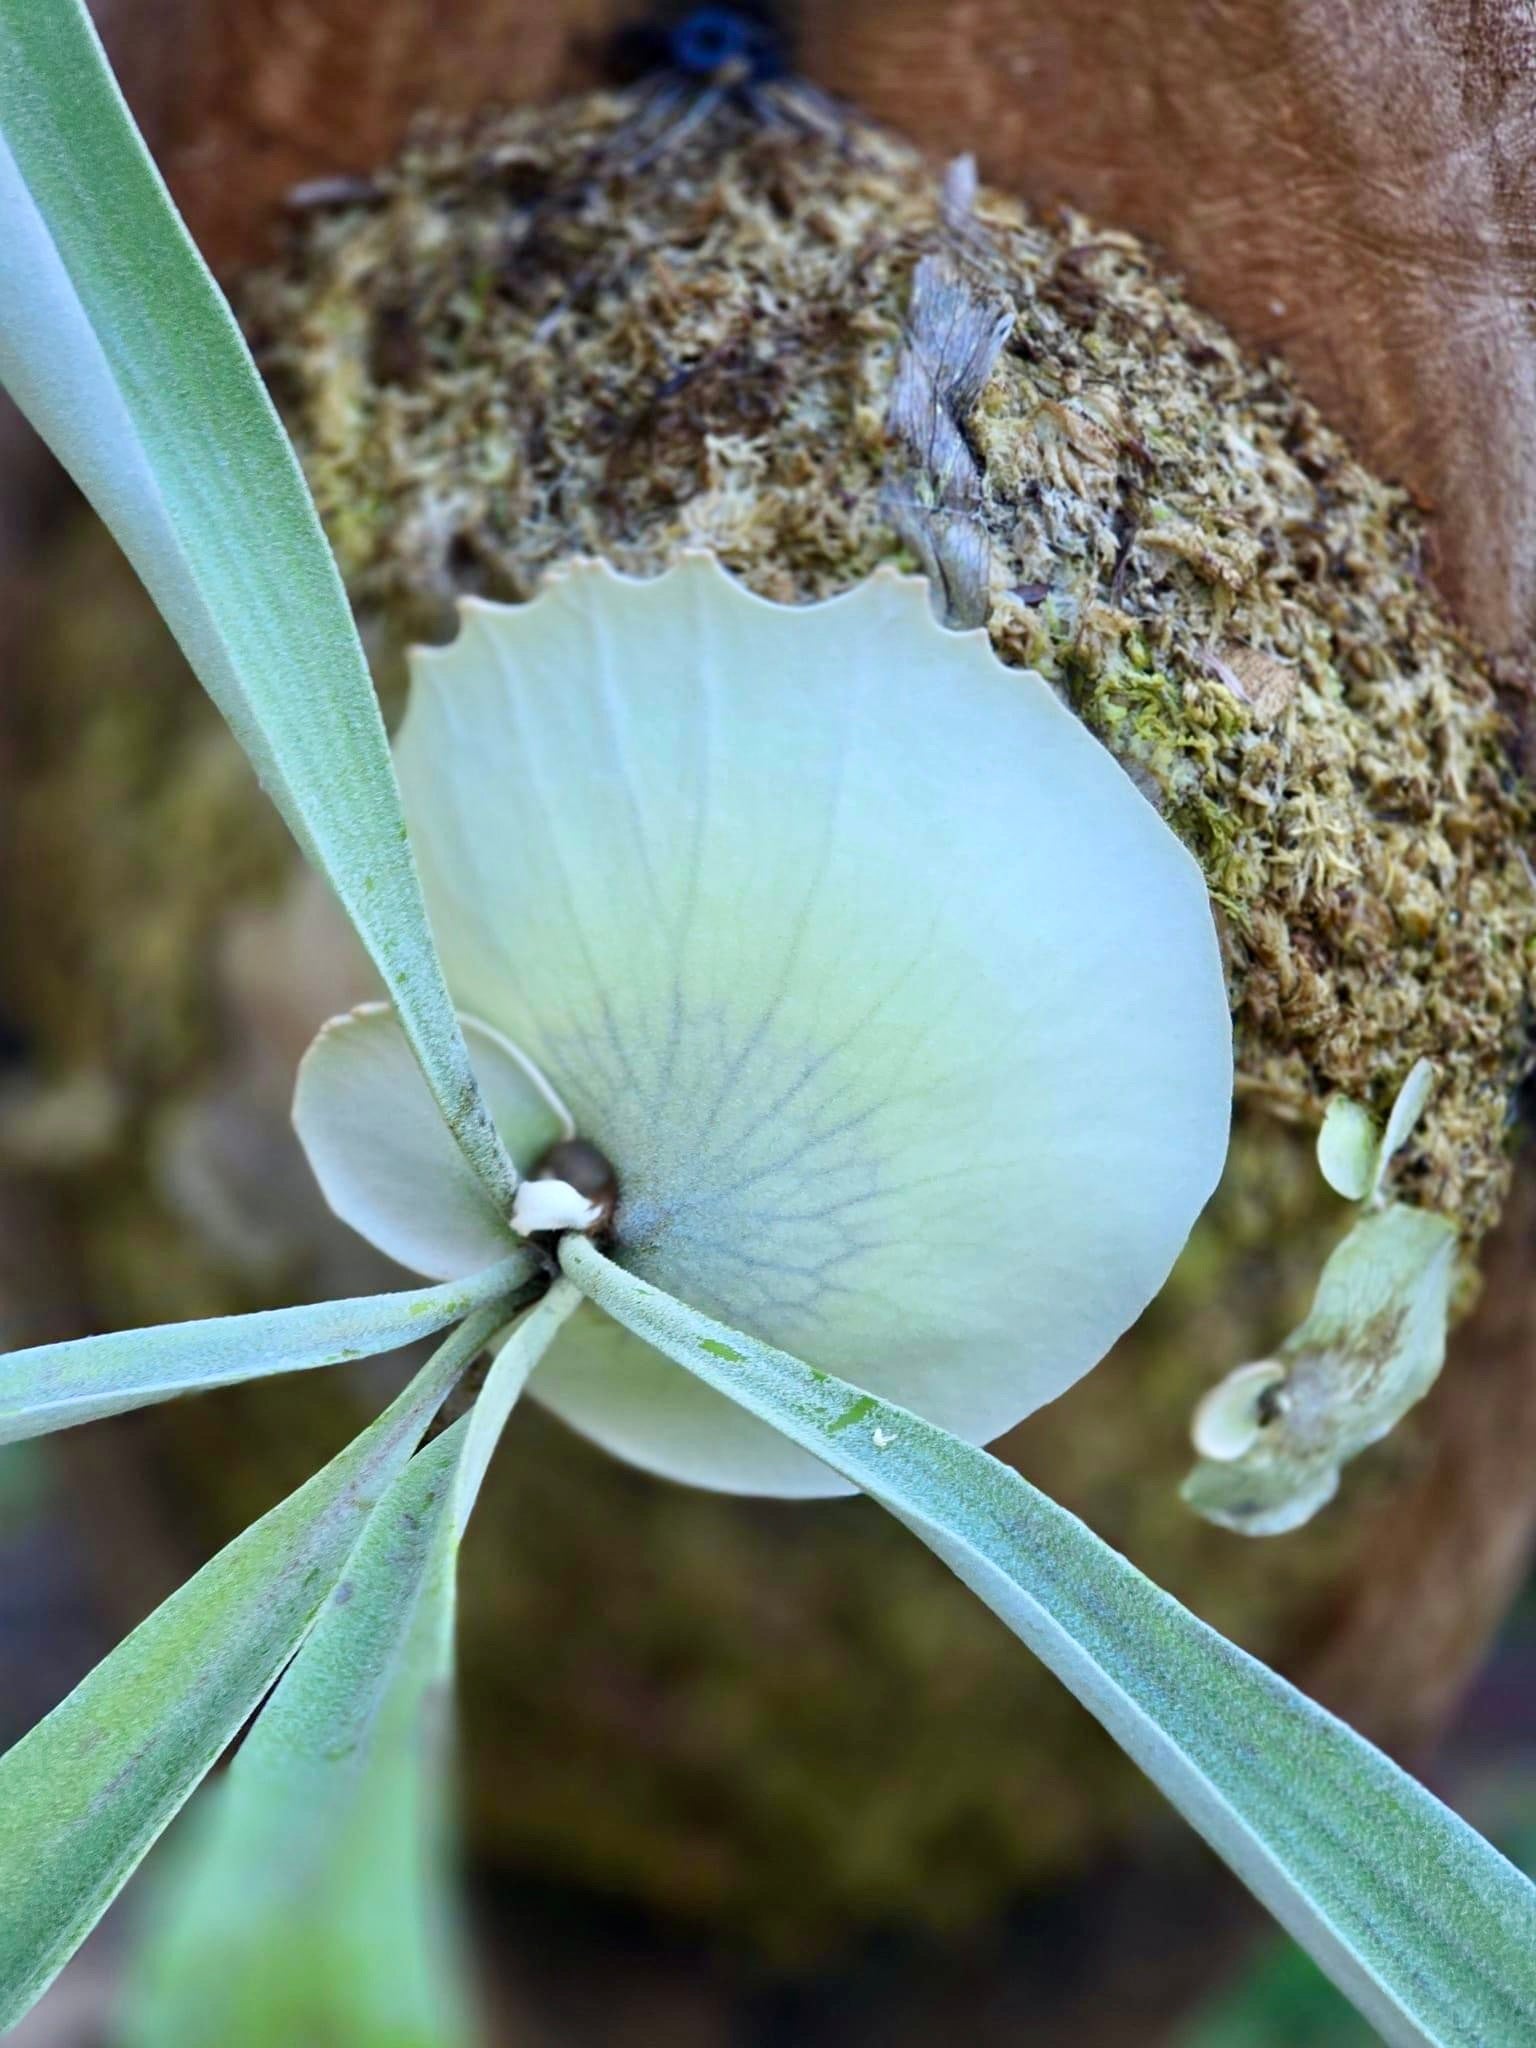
(520, 342)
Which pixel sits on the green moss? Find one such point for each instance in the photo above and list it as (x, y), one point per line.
(519, 349)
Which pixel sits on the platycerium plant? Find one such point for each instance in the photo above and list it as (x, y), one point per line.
(825, 991)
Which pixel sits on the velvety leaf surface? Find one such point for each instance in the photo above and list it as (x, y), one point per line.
(1427, 1928)
(119, 347)
(1371, 1346)
(311, 1903)
(54, 1386)
(86, 1793)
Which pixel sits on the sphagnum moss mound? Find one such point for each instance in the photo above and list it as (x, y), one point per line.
(501, 355)
(518, 346)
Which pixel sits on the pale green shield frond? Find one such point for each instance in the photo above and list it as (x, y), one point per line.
(1354, 1152)
(895, 1005)
(1273, 1436)
(1349, 1148)
(1419, 1921)
(1371, 1347)
(118, 346)
(383, 1156)
(1402, 1119)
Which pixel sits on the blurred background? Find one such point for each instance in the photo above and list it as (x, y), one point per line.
(715, 1790)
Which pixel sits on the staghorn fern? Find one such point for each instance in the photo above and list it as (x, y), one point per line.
(894, 1014)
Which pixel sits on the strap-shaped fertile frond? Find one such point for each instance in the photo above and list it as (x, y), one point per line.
(86, 1793)
(1419, 1921)
(118, 345)
(310, 1903)
(53, 1386)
